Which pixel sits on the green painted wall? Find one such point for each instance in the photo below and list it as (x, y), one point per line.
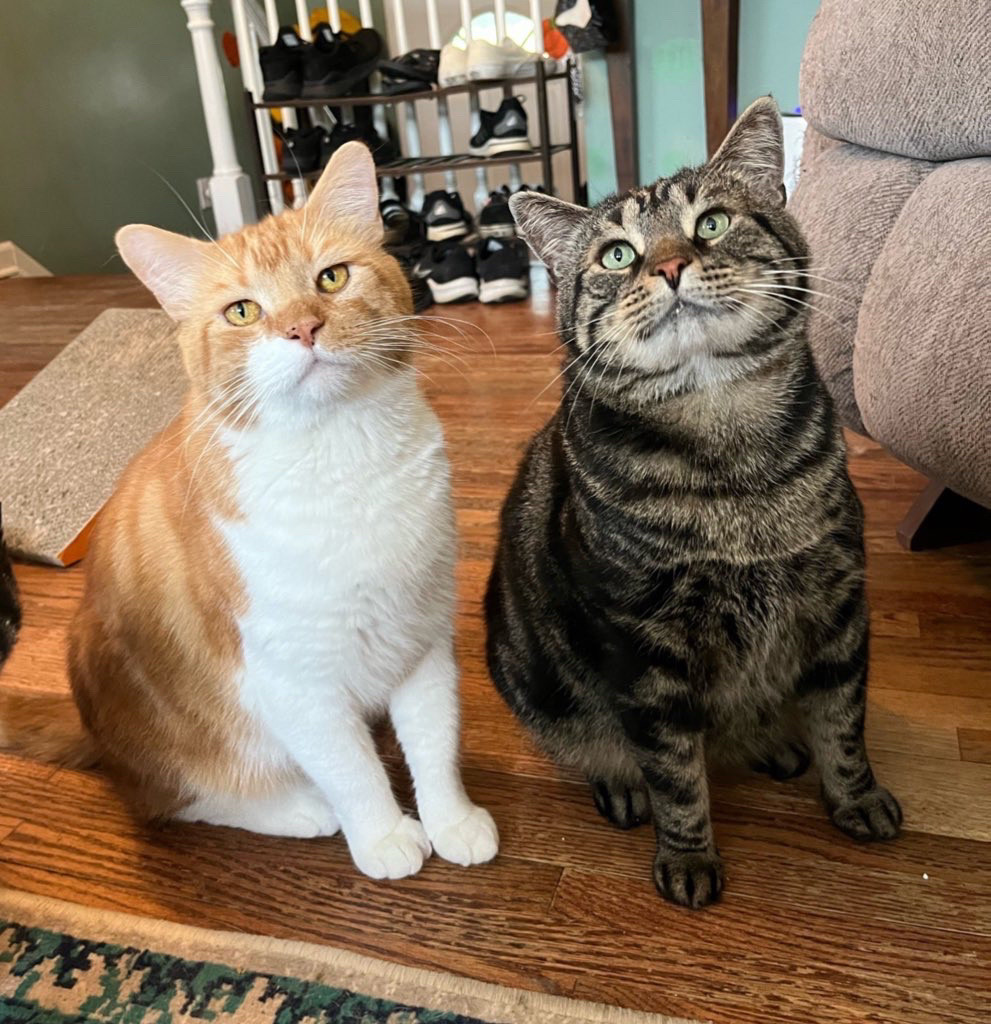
(670, 84)
(670, 98)
(597, 120)
(94, 99)
(772, 38)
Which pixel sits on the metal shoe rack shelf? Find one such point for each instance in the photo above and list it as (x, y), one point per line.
(544, 150)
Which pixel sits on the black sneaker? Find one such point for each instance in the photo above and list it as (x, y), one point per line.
(395, 221)
(282, 66)
(501, 131)
(422, 298)
(496, 219)
(302, 150)
(335, 64)
(417, 65)
(384, 151)
(445, 216)
(333, 140)
(452, 274)
(422, 258)
(401, 86)
(503, 270)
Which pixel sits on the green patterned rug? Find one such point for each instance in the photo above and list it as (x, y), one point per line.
(63, 964)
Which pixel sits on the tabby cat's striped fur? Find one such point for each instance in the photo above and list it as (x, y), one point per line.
(681, 567)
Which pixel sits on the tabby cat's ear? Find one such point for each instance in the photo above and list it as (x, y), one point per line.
(754, 148)
(548, 224)
(348, 189)
(169, 265)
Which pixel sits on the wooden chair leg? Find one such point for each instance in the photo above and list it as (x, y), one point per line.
(940, 518)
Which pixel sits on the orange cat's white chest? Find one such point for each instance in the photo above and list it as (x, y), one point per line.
(345, 548)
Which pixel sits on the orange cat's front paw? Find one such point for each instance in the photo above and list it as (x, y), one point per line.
(397, 855)
(472, 840)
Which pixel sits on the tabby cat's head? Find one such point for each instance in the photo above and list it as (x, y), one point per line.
(289, 314)
(683, 283)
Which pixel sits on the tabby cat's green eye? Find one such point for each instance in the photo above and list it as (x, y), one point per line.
(618, 256)
(712, 224)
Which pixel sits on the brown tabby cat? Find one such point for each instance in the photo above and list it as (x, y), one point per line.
(681, 566)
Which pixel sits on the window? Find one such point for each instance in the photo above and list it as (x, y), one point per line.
(519, 28)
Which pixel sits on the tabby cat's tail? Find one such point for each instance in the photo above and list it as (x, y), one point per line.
(45, 726)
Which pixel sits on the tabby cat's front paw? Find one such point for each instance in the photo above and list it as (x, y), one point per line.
(876, 815)
(472, 840)
(688, 879)
(625, 806)
(397, 855)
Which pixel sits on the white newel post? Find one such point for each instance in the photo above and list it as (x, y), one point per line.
(230, 188)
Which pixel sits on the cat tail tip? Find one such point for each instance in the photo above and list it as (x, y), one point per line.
(45, 726)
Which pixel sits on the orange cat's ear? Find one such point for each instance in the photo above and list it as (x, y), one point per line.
(348, 189)
(169, 265)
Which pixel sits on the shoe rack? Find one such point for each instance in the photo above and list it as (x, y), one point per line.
(270, 179)
(543, 151)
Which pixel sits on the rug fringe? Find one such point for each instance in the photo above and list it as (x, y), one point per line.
(325, 964)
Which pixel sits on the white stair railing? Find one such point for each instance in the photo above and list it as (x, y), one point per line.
(444, 137)
(230, 188)
(256, 24)
(387, 185)
(250, 27)
(413, 150)
(481, 178)
(289, 119)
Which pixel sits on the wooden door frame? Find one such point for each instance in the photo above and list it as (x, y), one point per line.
(720, 61)
(621, 65)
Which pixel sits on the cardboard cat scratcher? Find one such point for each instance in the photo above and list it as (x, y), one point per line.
(66, 437)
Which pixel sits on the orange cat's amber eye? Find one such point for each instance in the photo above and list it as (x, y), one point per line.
(243, 312)
(333, 279)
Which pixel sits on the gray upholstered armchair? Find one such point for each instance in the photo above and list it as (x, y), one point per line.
(895, 197)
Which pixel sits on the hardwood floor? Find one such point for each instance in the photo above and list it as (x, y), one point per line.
(812, 927)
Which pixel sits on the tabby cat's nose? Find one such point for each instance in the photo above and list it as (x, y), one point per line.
(304, 330)
(671, 269)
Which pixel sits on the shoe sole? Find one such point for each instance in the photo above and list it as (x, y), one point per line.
(441, 232)
(412, 74)
(405, 89)
(497, 230)
(461, 289)
(496, 146)
(286, 88)
(493, 70)
(506, 289)
(525, 69)
(332, 90)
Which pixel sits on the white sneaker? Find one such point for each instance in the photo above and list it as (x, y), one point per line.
(453, 66)
(520, 63)
(578, 16)
(508, 60)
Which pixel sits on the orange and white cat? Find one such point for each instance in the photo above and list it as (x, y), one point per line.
(276, 569)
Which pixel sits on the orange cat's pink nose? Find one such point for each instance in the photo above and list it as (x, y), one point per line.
(305, 330)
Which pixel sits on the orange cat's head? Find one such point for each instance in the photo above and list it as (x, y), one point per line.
(291, 313)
